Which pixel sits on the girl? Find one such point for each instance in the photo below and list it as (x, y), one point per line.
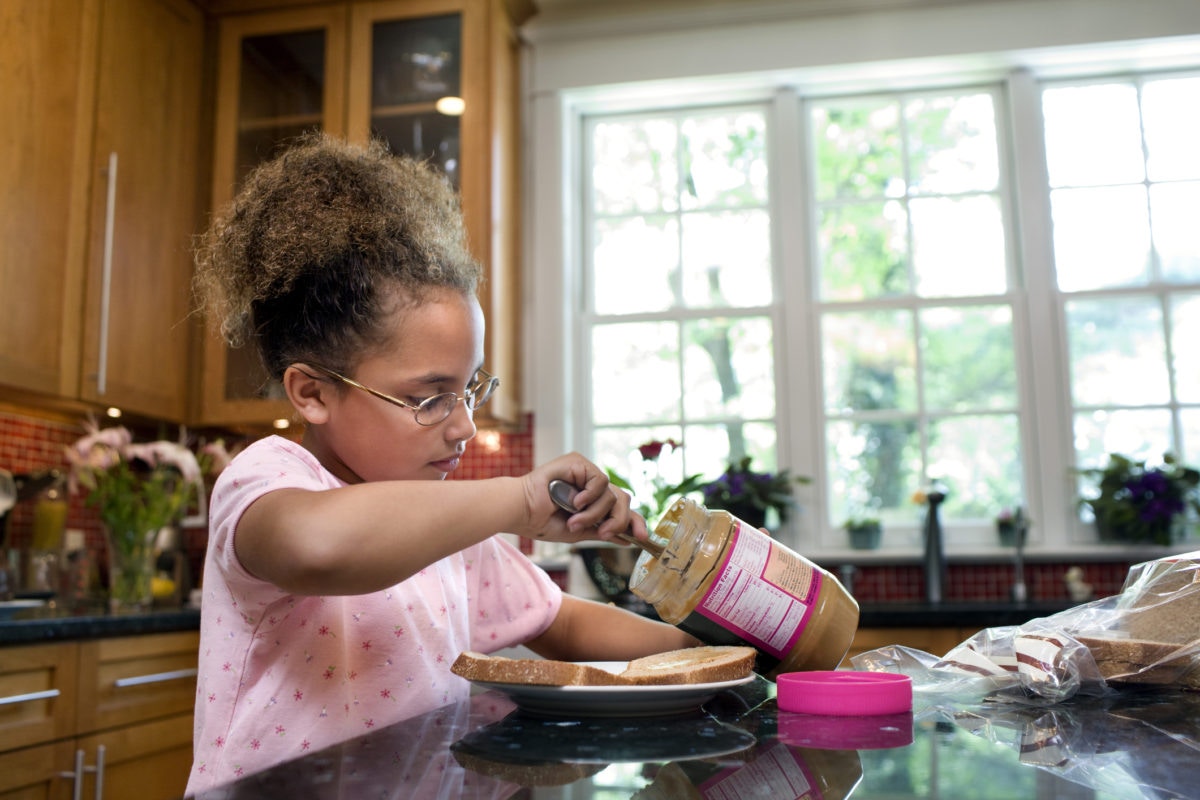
(343, 574)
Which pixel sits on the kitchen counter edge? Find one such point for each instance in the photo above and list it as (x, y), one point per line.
(53, 625)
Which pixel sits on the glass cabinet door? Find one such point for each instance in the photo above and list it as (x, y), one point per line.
(280, 75)
(416, 96)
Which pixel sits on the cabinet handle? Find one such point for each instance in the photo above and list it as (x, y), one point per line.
(29, 697)
(157, 677)
(110, 213)
(99, 770)
(76, 775)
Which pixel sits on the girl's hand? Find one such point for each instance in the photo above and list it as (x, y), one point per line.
(604, 510)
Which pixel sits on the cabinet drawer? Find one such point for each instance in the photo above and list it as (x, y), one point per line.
(34, 771)
(38, 694)
(136, 678)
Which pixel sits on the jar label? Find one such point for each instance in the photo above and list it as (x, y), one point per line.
(762, 591)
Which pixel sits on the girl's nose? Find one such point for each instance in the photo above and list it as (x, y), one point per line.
(460, 425)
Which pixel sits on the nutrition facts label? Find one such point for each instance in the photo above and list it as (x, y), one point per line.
(743, 597)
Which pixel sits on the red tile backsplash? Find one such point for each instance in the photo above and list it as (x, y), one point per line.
(29, 444)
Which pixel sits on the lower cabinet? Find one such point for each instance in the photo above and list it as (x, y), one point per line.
(106, 718)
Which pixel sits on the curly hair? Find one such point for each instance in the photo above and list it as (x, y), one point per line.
(309, 258)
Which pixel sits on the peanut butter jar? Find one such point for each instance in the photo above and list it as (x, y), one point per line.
(728, 583)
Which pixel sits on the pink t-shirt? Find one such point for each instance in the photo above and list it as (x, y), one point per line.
(283, 675)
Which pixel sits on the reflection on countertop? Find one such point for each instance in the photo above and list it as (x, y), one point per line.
(1129, 745)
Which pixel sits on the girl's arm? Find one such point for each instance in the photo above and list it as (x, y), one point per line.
(586, 630)
(369, 536)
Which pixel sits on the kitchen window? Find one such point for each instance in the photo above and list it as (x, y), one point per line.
(680, 292)
(1124, 177)
(986, 285)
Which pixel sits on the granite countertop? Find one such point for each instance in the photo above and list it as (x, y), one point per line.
(20, 624)
(965, 614)
(33, 624)
(1129, 745)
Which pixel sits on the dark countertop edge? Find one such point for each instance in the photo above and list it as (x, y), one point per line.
(1132, 554)
(96, 626)
(963, 614)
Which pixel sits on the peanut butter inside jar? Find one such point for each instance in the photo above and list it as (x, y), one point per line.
(726, 582)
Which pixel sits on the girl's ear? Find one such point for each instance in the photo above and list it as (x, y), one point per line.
(308, 394)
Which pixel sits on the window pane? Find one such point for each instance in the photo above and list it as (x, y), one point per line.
(979, 460)
(872, 465)
(952, 144)
(725, 160)
(634, 167)
(617, 448)
(679, 219)
(863, 251)
(958, 246)
(1101, 237)
(1173, 210)
(726, 260)
(710, 448)
(634, 262)
(635, 374)
(1118, 352)
(1189, 420)
(1093, 135)
(968, 360)
(869, 361)
(1171, 117)
(1185, 348)
(1142, 435)
(729, 368)
(857, 149)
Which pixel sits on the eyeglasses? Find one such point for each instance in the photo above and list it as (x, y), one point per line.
(431, 410)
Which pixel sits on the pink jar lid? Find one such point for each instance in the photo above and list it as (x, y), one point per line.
(844, 693)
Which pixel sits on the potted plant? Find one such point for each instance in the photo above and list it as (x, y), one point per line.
(1133, 502)
(865, 531)
(752, 496)
(1011, 526)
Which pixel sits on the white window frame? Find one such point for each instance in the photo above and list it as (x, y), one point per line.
(568, 78)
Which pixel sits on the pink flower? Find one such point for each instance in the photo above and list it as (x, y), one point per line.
(166, 454)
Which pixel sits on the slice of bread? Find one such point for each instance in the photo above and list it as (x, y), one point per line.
(532, 671)
(1139, 661)
(706, 664)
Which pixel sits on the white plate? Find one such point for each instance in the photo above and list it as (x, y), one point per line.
(611, 701)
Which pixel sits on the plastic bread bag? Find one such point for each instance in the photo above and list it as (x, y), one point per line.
(1149, 633)
(1126, 745)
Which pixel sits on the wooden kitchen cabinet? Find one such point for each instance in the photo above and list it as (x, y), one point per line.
(100, 199)
(126, 703)
(363, 69)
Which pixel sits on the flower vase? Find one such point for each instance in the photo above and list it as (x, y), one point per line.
(130, 568)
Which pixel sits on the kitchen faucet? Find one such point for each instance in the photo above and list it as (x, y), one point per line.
(935, 557)
(1021, 525)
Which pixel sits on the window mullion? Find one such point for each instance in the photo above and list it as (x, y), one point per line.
(1047, 432)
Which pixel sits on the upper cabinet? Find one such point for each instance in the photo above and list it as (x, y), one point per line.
(102, 100)
(392, 70)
